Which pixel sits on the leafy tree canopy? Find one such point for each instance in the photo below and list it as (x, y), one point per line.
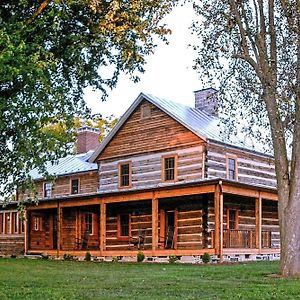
(252, 47)
(49, 52)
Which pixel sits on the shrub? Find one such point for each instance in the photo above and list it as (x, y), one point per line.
(115, 259)
(87, 256)
(67, 256)
(13, 256)
(172, 259)
(206, 258)
(140, 256)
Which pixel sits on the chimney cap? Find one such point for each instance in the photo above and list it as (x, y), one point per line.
(206, 89)
(88, 129)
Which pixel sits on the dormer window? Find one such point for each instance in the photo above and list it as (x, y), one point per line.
(231, 166)
(47, 189)
(145, 111)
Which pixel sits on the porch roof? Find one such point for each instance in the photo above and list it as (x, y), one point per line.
(201, 183)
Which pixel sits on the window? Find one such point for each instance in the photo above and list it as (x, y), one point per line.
(37, 223)
(1, 223)
(47, 189)
(145, 111)
(74, 186)
(169, 168)
(232, 218)
(15, 222)
(124, 225)
(125, 174)
(231, 168)
(88, 218)
(7, 221)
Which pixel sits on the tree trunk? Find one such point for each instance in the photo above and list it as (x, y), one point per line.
(290, 236)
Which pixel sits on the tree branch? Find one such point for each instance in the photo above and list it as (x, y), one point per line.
(40, 9)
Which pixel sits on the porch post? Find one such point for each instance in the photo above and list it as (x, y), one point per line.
(218, 203)
(154, 225)
(102, 228)
(59, 223)
(258, 222)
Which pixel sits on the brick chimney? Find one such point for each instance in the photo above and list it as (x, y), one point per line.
(207, 100)
(87, 139)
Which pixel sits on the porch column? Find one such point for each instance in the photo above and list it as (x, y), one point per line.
(102, 228)
(59, 228)
(154, 225)
(258, 222)
(218, 239)
(26, 231)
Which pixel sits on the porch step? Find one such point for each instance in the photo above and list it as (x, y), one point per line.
(33, 255)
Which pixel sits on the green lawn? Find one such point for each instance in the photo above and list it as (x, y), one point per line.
(42, 279)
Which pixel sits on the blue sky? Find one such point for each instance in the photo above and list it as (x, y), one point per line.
(168, 74)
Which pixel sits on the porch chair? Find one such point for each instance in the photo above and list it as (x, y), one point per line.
(82, 243)
(140, 241)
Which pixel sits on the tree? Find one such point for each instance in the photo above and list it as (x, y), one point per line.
(50, 51)
(253, 47)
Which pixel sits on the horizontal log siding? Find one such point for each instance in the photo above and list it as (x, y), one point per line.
(191, 226)
(12, 244)
(252, 169)
(147, 169)
(270, 221)
(73, 228)
(141, 218)
(88, 183)
(148, 135)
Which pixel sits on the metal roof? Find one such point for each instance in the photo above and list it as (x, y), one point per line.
(202, 124)
(67, 165)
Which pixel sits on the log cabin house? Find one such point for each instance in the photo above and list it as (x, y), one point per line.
(165, 182)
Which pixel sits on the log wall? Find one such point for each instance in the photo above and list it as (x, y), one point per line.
(88, 183)
(147, 169)
(141, 135)
(252, 168)
(11, 233)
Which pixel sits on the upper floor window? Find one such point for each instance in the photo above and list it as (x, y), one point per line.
(88, 218)
(232, 168)
(169, 168)
(145, 111)
(125, 174)
(74, 186)
(47, 189)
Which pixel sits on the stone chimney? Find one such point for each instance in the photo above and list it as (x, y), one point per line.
(207, 100)
(87, 139)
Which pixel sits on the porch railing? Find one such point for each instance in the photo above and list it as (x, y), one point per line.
(236, 238)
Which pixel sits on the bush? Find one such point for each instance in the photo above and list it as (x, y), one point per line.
(67, 256)
(140, 256)
(206, 258)
(172, 259)
(115, 259)
(87, 256)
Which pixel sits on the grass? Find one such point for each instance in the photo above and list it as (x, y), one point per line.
(42, 279)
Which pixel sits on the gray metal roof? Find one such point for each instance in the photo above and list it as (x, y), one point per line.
(67, 165)
(205, 126)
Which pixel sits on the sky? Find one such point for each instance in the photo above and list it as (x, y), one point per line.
(168, 72)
